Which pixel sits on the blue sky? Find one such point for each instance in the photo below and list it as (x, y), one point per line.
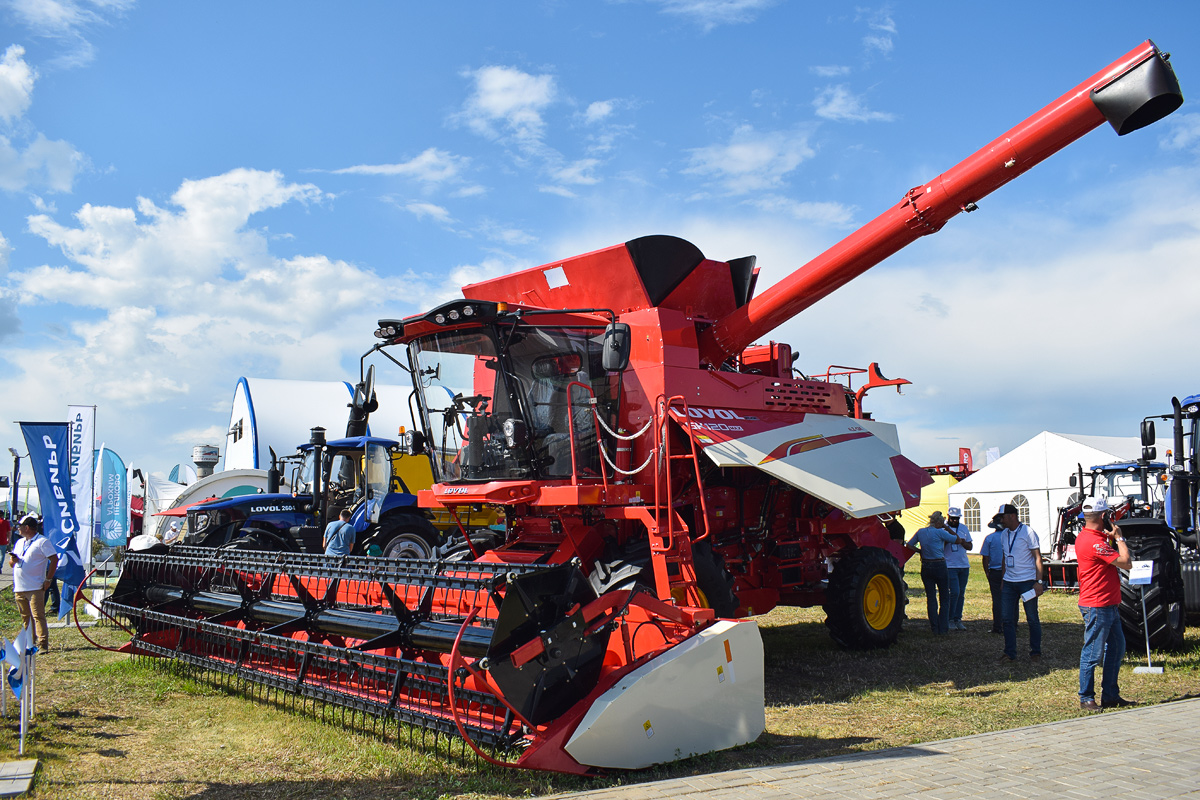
(190, 193)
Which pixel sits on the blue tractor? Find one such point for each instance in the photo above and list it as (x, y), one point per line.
(353, 473)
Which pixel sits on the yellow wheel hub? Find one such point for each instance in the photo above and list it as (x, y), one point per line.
(879, 602)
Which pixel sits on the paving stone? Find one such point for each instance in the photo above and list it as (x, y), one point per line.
(16, 776)
(1072, 759)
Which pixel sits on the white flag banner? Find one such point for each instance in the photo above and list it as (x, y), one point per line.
(83, 450)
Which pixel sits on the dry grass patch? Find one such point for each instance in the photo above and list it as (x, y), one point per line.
(111, 727)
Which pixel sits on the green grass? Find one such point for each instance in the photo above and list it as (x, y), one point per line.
(108, 726)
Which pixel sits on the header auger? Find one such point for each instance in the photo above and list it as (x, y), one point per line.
(662, 478)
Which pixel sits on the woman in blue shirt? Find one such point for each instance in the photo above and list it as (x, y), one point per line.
(931, 543)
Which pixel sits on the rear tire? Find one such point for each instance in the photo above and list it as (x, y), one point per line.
(1165, 612)
(864, 600)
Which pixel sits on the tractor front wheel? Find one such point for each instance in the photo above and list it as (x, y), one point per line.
(864, 600)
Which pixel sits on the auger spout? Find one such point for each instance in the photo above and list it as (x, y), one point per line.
(1134, 91)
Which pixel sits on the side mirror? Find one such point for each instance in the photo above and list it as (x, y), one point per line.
(1073, 482)
(1148, 436)
(617, 342)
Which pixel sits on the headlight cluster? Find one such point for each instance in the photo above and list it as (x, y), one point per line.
(201, 522)
(454, 315)
(389, 329)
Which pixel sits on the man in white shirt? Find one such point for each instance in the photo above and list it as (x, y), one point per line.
(34, 561)
(1022, 553)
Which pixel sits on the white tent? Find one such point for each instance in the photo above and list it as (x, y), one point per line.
(280, 414)
(161, 492)
(1035, 478)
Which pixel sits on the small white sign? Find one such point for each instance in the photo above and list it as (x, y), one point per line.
(1140, 573)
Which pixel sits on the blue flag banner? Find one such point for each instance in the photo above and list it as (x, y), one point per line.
(112, 492)
(50, 459)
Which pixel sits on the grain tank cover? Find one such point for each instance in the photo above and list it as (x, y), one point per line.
(648, 272)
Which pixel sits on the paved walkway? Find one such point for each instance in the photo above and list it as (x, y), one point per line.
(1148, 753)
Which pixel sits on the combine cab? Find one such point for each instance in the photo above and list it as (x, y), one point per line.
(662, 476)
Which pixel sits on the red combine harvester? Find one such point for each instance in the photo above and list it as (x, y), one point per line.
(662, 477)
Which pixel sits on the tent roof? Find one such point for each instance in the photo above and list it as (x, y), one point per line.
(1038, 462)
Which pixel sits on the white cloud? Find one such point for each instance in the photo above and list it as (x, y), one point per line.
(1183, 132)
(510, 237)
(16, 84)
(5, 250)
(68, 22)
(51, 165)
(29, 163)
(711, 13)
(597, 111)
(752, 160)
(508, 102)
(839, 104)
(433, 166)
(561, 191)
(578, 173)
(166, 306)
(822, 213)
(830, 71)
(882, 29)
(428, 210)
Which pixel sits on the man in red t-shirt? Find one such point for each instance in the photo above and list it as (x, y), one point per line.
(1099, 599)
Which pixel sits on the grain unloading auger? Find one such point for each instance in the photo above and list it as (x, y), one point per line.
(662, 477)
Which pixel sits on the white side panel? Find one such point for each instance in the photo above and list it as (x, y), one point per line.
(834, 458)
(704, 695)
(884, 430)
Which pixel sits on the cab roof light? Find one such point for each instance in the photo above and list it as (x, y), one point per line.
(389, 329)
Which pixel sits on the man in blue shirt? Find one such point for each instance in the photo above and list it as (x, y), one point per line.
(339, 535)
(932, 542)
(958, 566)
(993, 566)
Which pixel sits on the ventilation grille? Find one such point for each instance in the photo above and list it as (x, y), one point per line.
(813, 397)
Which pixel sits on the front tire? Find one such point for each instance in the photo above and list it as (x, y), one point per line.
(864, 600)
(714, 580)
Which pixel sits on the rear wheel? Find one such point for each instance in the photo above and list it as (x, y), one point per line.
(864, 600)
(409, 537)
(1165, 615)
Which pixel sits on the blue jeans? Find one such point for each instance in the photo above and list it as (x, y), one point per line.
(933, 575)
(1010, 594)
(1103, 642)
(958, 590)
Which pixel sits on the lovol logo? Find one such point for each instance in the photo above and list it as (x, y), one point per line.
(713, 413)
(457, 490)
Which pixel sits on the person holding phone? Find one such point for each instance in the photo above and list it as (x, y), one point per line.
(1102, 552)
